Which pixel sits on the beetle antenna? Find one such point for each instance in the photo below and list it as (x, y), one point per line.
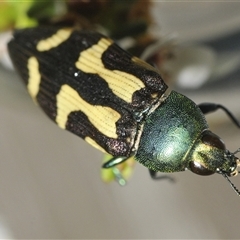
(238, 150)
(231, 184)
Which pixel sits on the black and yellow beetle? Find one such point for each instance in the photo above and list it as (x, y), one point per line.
(116, 102)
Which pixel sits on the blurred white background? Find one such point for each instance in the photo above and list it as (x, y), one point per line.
(50, 183)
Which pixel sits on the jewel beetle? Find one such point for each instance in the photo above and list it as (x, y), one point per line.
(118, 103)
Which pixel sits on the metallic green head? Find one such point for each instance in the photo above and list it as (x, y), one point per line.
(209, 155)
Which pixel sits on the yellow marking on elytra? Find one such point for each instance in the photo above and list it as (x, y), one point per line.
(143, 64)
(34, 77)
(121, 83)
(94, 144)
(56, 39)
(103, 118)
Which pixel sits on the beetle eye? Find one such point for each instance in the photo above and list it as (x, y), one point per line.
(212, 139)
(199, 169)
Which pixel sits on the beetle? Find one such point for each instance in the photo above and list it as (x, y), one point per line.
(118, 103)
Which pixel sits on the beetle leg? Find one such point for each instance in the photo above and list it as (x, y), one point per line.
(154, 176)
(118, 176)
(212, 107)
(114, 161)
